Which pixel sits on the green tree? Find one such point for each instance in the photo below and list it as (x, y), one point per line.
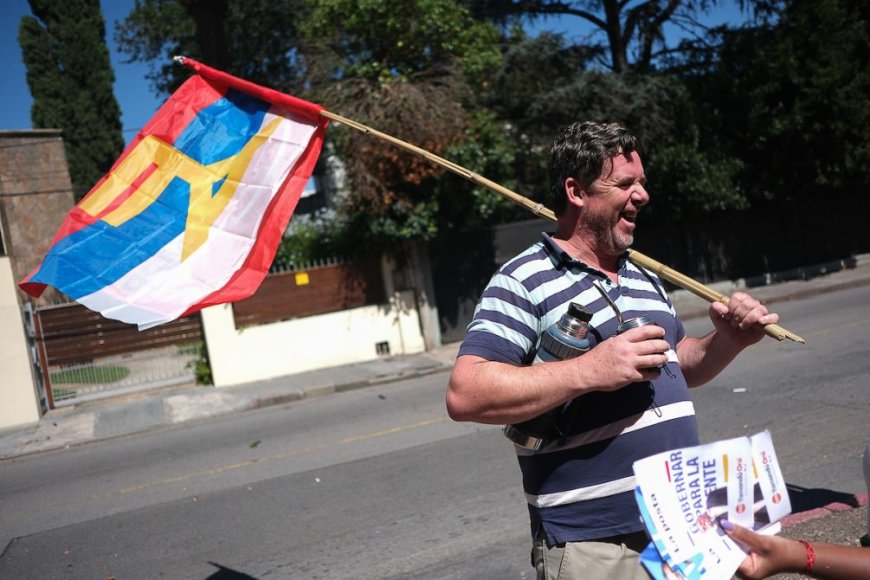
(427, 72)
(532, 94)
(70, 78)
(628, 35)
(409, 69)
(790, 96)
(257, 40)
(546, 84)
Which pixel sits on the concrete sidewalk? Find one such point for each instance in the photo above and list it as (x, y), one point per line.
(134, 413)
(78, 424)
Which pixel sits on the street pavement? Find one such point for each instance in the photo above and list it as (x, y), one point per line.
(79, 424)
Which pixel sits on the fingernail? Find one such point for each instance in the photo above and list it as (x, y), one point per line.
(726, 525)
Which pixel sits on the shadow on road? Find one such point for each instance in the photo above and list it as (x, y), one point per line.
(224, 573)
(804, 499)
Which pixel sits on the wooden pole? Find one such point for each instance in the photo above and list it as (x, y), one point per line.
(705, 292)
(681, 280)
(535, 208)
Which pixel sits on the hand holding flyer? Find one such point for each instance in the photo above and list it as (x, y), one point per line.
(683, 493)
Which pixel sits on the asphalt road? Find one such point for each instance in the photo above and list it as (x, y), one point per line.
(379, 483)
(814, 398)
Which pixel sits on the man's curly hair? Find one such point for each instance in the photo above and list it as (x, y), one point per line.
(580, 151)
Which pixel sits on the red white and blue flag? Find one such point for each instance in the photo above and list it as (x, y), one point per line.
(192, 212)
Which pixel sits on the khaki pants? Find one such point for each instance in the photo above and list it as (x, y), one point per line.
(607, 559)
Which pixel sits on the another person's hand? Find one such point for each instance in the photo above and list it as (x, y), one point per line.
(770, 555)
(739, 321)
(767, 554)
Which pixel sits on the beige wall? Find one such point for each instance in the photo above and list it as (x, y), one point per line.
(310, 343)
(18, 399)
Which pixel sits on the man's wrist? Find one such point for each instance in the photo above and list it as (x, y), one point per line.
(727, 344)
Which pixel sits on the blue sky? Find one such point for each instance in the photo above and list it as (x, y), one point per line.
(131, 87)
(135, 97)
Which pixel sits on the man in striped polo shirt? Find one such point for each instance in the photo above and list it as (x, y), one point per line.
(584, 519)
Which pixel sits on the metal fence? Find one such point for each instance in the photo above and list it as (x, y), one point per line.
(84, 356)
(280, 266)
(111, 376)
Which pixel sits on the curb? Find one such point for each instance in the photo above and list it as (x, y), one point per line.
(55, 432)
(820, 512)
(330, 388)
(693, 311)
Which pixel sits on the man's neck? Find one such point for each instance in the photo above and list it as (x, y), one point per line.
(580, 249)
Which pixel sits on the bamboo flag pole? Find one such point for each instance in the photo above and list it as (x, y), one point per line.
(773, 330)
(535, 208)
(681, 280)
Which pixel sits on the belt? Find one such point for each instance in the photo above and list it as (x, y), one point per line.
(637, 541)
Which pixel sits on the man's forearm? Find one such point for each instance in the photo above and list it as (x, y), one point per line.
(701, 359)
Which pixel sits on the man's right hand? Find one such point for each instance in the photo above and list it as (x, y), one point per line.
(627, 358)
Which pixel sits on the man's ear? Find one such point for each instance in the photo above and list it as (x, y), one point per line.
(574, 192)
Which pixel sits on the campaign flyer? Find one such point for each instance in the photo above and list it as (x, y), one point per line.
(683, 493)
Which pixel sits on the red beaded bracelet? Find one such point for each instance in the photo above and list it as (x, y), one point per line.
(811, 556)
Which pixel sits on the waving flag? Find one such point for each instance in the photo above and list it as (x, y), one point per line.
(192, 212)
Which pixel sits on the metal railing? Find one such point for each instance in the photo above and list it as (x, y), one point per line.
(280, 267)
(122, 374)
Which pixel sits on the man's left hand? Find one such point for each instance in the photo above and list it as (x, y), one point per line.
(741, 321)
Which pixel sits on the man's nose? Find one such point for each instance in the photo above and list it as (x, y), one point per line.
(639, 195)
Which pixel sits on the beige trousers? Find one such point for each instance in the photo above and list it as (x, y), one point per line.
(610, 559)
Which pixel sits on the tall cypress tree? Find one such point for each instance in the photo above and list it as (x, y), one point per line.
(70, 78)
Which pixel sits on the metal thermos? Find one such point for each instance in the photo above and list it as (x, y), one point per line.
(564, 339)
(642, 320)
(637, 322)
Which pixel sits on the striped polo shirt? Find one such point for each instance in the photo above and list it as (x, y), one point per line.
(582, 488)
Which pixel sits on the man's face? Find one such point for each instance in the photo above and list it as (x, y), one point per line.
(611, 205)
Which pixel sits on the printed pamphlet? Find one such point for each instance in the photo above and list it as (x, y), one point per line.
(683, 493)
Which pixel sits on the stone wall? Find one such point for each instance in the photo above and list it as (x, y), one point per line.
(35, 196)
